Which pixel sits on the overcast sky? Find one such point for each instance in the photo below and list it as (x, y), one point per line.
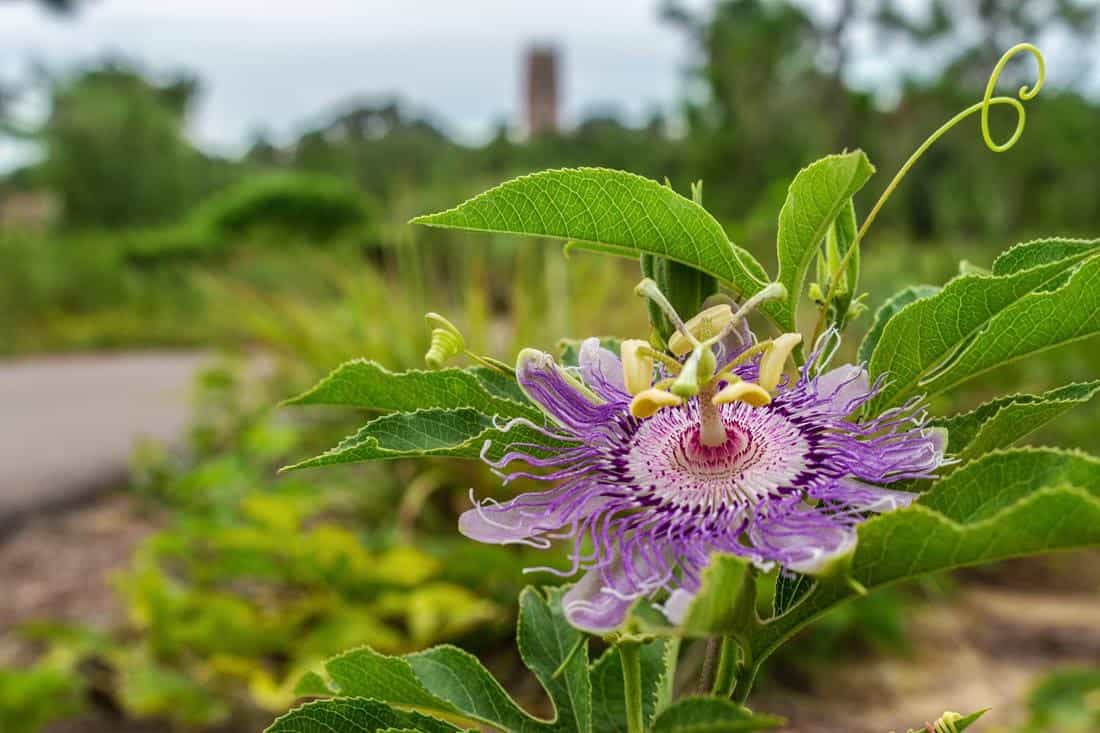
(281, 64)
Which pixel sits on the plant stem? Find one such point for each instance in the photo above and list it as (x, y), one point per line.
(746, 676)
(630, 654)
(725, 678)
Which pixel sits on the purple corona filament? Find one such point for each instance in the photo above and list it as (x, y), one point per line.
(646, 503)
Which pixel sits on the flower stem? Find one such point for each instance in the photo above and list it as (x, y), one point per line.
(725, 677)
(630, 654)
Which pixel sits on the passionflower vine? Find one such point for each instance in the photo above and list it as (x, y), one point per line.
(658, 460)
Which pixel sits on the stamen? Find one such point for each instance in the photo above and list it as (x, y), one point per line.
(775, 357)
(648, 402)
(747, 392)
(637, 365)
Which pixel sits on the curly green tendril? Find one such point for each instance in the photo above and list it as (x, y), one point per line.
(1025, 94)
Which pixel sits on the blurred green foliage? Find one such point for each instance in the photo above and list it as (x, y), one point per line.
(32, 697)
(116, 154)
(1065, 701)
(314, 207)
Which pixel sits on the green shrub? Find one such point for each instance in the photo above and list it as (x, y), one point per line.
(32, 698)
(286, 205)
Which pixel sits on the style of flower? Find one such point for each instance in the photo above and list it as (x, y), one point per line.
(723, 453)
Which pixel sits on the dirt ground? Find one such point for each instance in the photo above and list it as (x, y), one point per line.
(57, 566)
(981, 647)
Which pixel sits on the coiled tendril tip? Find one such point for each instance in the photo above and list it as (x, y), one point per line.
(1025, 93)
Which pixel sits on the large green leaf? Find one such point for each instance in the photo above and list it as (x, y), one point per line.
(449, 683)
(1008, 504)
(888, 310)
(712, 715)
(1037, 322)
(608, 692)
(608, 211)
(355, 715)
(980, 321)
(443, 433)
(1003, 421)
(558, 655)
(816, 196)
(367, 384)
(996, 481)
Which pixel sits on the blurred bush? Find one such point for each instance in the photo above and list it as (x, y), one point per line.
(1065, 701)
(301, 207)
(33, 697)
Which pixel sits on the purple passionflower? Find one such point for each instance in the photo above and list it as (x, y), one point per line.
(646, 502)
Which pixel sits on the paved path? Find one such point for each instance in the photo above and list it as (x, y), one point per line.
(68, 424)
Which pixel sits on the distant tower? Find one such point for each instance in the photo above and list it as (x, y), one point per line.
(541, 90)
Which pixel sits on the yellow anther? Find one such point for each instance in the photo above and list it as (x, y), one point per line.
(775, 358)
(637, 365)
(647, 403)
(747, 392)
(707, 323)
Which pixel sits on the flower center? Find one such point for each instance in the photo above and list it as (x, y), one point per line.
(763, 454)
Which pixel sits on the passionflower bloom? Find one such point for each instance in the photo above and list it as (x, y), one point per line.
(723, 452)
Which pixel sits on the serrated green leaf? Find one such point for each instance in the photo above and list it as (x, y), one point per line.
(608, 211)
(1012, 503)
(1001, 422)
(816, 195)
(715, 610)
(1037, 322)
(1026, 255)
(888, 310)
(789, 589)
(608, 694)
(443, 681)
(367, 384)
(712, 715)
(355, 715)
(312, 685)
(977, 322)
(450, 683)
(996, 481)
(548, 645)
(440, 433)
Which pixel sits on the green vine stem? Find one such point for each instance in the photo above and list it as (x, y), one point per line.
(725, 677)
(1025, 94)
(630, 654)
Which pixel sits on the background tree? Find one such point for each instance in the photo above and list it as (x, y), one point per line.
(115, 149)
